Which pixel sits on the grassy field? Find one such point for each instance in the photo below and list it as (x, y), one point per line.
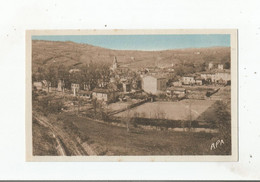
(182, 110)
(107, 139)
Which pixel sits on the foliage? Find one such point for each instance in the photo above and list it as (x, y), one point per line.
(223, 118)
(48, 105)
(164, 123)
(189, 68)
(91, 74)
(162, 96)
(227, 65)
(223, 123)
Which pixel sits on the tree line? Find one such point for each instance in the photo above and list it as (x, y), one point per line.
(90, 74)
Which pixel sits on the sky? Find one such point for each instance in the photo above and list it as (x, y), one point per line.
(144, 42)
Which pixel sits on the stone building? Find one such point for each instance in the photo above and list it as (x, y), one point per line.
(154, 84)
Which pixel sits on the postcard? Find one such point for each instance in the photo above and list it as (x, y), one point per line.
(131, 95)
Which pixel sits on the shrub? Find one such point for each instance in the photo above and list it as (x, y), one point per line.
(223, 123)
(48, 105)
(162, 96)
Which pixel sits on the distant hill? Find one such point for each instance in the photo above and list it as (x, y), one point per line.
(72, 54)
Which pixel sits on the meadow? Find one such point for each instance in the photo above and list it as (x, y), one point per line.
(182, 110)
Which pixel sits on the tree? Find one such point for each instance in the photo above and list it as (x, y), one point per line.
(202, 67)
(63, 75)
(185, 68)
(77, 101)
(128, 119)
(94, 105)
(226, 61)
(50, 75)
(227, 65)
(223, 123)
(209, 58)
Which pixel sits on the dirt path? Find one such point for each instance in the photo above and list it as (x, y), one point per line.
(66, 146)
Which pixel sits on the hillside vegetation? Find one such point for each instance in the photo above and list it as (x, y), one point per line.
(47, 53)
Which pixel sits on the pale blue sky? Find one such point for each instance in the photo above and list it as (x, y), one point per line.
(144, 42)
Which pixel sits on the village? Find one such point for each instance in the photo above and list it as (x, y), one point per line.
(94, 102)
(121, 85)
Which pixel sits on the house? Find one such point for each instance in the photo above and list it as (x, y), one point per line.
(106, 95)
(38, 85)
(220, 66)
(211, 65)
(222, 77)
(75, 88)
(177, 83)
(85, 94)
(173, 91)
(207, 76)
(154, 84)
(188, 80)
(199, 81)
(102, 83)
(86, 86)
(219, 76)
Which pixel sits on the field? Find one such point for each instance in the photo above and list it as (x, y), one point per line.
(106, 139)
(182, 110)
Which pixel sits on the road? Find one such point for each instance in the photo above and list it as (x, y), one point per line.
(65, 145)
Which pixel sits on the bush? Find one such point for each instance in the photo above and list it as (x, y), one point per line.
(139, 96)
(164, 123)
(162, 96)
(49, 105)
(34, 95)
(223, 123)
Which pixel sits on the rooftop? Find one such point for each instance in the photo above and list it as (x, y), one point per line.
(85, 92)
(103, 90)
(156, 76)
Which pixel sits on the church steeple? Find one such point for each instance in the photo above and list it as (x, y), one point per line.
(115, 64)
(115, 60)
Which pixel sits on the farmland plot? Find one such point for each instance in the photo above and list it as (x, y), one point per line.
(182, 110)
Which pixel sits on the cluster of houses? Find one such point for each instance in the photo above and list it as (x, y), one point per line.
(149, 82)
(212, 76)
(157, 84)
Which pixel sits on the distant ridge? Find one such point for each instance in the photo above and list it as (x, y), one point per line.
(71, 54)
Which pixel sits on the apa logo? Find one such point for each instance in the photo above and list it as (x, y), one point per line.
(216, 144)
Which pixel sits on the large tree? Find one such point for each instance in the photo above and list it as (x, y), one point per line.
(63, 76)
(50, 75)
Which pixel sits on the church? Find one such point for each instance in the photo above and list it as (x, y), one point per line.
(115, 64)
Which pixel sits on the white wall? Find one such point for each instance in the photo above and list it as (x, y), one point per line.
(150, 84)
